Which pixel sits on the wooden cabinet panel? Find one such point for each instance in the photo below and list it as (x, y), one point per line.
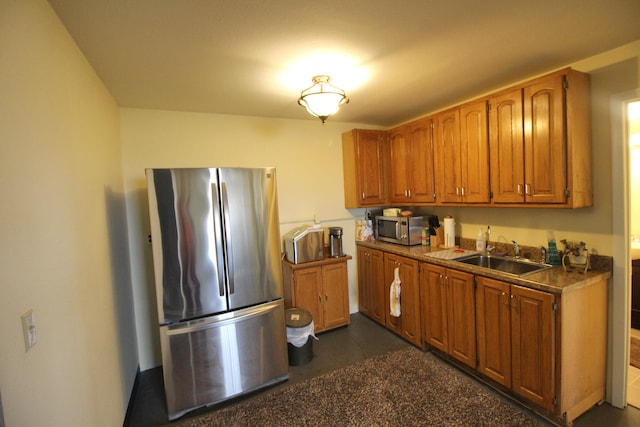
(363, 168)
(447, 148)
(411, 163)
(540, 141)
(493, 309)
(408, 324)
(507, 147)
(399, 162)
(544, 141)
(516, 339)
(320, 287)
(336, 295)
(462, 149)
(474, 158)
(306, 292)
(461, 317)
(433, 298)
(532, 347)
(371, 287)
(449, 303)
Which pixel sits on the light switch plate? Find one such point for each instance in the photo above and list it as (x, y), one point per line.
(29, 330)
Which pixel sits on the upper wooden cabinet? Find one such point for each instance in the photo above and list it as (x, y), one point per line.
(363, 167)
(528, 145)
(540, 139)
(411, 164)
(462, 150)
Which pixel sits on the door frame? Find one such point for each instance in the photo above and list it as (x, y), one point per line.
(620, 291)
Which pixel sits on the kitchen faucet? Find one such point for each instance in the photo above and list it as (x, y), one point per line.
(516, 249)
(489, 248)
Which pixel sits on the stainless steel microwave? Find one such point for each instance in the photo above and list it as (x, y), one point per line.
(399, 229)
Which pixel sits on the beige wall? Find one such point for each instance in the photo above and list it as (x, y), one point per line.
(62, 221)
(308, 161)
(64, 246)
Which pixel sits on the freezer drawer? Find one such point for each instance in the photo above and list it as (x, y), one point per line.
(219, 357)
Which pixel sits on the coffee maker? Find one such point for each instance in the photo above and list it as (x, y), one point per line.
(335, 242)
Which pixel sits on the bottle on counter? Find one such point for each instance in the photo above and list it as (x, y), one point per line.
(481, 244)
(424, 237)
(554, 257)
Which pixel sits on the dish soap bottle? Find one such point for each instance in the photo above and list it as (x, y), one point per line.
(554, 257)
(480, 241)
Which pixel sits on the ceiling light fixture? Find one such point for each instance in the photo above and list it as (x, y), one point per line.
(322, 99)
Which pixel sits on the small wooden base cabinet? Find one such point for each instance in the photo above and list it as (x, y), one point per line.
(322, 287)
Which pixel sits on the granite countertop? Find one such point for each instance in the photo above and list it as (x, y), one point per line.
(554, 280)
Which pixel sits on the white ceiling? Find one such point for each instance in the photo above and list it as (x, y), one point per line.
(415, 56)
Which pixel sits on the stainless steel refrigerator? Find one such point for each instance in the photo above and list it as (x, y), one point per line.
(216, 255)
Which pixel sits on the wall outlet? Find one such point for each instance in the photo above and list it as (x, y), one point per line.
(29, 330)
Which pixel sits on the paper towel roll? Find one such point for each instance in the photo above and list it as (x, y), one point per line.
(449, 232)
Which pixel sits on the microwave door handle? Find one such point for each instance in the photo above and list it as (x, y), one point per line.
(219, 248)
(397, 230)
(227, 240)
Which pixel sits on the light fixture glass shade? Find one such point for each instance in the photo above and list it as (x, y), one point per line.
(322, 99)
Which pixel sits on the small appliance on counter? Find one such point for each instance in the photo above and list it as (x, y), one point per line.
(399, 229)
(304, 244)
(335, 242)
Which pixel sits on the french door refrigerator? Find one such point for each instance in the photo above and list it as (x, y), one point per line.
(216, 254)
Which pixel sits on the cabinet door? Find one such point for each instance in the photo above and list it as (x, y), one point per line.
(364, 281)
(335, 295)
(433, 299)
(544, 141)
(410, 300)
(474, 157)
(506, 141)
(400, 159)
(461, 316)
(422, 179)
(390, 264)
(363, 168)
(307, 291)
(532, 329)
(448, 154)
(376, 270)
(493, 323)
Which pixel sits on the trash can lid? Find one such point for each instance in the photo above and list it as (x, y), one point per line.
(297, 317)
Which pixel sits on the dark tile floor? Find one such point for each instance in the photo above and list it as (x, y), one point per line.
(334, 349)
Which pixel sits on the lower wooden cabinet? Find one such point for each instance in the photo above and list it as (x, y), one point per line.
(549, 349)
(448, 309)
(516, 334)
(408, 324)
(371, 300)
(322, 287)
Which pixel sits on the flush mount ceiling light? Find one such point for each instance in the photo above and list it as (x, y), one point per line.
(322, 99)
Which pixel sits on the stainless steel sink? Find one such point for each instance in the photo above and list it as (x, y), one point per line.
(516, 267)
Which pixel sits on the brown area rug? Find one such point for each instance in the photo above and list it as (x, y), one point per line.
(634, 354)
(404, 388)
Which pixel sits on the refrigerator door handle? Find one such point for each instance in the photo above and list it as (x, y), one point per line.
(219, 248)
(227, 240)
